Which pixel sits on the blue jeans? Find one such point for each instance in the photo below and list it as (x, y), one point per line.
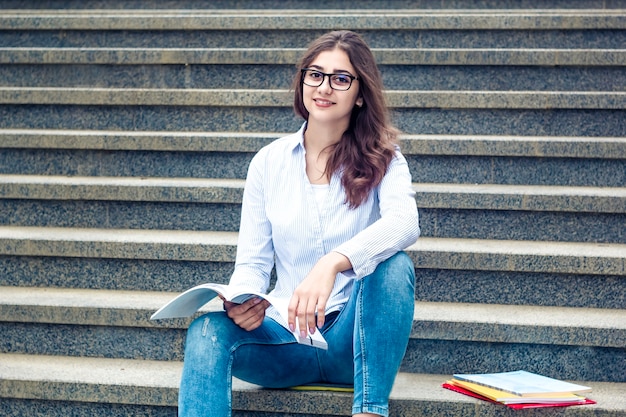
(366, 343)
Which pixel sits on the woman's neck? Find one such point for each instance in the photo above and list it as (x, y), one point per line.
(318, 142)
(318, 136)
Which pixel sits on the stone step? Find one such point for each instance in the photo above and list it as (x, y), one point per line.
(407, 69)
(397, 99)
(289, 56)
(519, 146)
(523, 113)
(298, 38)
(485, 211)
(54, 321)
(590, 28)
(117, 387)
(242, 19)
(546, 273)
(320, 5)
(514, 160)
(443, 321)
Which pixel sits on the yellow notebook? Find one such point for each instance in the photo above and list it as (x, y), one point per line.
(323, 387)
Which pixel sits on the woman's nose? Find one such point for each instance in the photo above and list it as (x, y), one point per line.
(325, 85)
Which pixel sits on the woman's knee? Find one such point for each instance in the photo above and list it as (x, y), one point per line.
(392, 279)
(398, 270)
(209, 327)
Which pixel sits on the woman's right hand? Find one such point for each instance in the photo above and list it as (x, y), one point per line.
(248, 315)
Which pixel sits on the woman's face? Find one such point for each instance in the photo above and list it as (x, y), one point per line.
(327, 105)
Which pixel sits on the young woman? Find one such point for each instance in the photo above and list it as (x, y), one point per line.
(331, 208)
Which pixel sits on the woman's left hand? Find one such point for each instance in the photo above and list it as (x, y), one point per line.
(311, 296)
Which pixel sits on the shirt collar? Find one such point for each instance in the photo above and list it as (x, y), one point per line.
(299, 138)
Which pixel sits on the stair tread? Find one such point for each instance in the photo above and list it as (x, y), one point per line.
(276, 56)
(299, 19)
(209, 190)
(188, 182)
(283, 97)
(554, 146)
(424, 311)
(156, 383)
(446, 321)
(486, 254)
(600, 250)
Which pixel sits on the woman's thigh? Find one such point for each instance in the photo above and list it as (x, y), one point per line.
(281, 365)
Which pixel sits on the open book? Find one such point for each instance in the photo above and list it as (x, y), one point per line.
(190, 301)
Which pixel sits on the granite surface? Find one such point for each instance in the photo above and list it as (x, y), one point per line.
(441, 253)
(121, 214)
(535, 226)
(570, 362)
(468, 121)
(524, 146)
(294, 38)
(319, 5)
(583, 353)
(217, 165)
(512, 287)
(580, 214)
(438, 253)
(406, 77)
(425, 166)
(501, 348)
(107, 273)
(289, 56)
(166, 245)
(182, 190)
(52, 322)
(92, 341)
(302, 20)
(412, 394)
(519, 171)
(466, 283)
(161, 141)
(230, 191)
(397, 99)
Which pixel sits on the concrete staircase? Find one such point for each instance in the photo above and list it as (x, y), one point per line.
(125, 134)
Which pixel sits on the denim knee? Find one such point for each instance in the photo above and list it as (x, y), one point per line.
(397, 271)
(208, 334)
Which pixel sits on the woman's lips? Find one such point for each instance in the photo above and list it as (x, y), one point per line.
(323, 103)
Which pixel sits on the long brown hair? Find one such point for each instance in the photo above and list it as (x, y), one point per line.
(368, 146)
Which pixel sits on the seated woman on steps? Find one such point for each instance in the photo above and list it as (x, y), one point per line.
(331, 207)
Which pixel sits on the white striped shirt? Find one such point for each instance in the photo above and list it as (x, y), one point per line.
(283, 225)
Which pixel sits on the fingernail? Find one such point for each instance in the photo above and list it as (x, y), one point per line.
(292, 327)
(312, 330)
(302, 333)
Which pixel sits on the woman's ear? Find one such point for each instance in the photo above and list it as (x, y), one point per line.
(359, 102)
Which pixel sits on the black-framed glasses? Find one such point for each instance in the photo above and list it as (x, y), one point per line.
(315, 78)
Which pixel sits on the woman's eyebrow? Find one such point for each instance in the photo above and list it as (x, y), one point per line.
(336, 71)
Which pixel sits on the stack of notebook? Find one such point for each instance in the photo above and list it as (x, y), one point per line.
(520, 389)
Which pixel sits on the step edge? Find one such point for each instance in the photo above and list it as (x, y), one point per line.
(398, 99)
(40, 377)
(439, 253)
(573, 326)
(230, 191)
(509, 57)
